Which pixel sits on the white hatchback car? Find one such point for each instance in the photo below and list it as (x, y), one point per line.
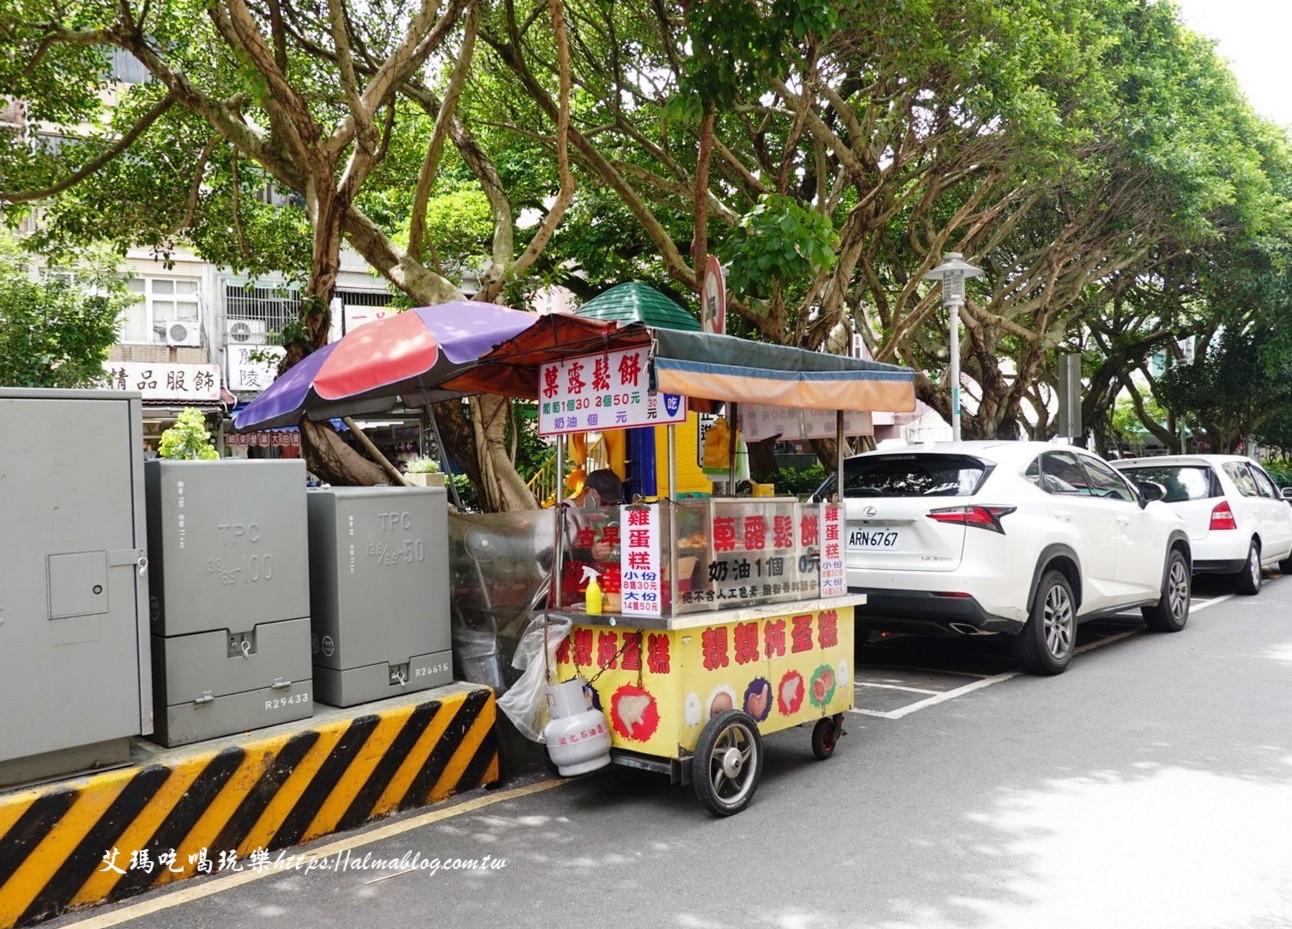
(1024, 539)
(1238, 522)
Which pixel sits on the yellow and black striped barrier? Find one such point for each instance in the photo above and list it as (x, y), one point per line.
(187, 811)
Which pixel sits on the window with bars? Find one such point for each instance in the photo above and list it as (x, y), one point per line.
(60, 276)
(253, 313)
(264, 309)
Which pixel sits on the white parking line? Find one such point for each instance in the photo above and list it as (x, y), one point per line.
(944, 696)
(942, 671)
(1106, 640)
(938, 698)
(911, 690)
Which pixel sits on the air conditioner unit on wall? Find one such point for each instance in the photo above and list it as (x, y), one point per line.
(183, 334)
(245, 331)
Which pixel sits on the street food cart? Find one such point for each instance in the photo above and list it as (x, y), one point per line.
(724, 618)
(746, 644)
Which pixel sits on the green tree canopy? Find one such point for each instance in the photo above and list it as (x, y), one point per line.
(55, 331)
(1093, 156)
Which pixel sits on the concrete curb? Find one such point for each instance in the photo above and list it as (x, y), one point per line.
(221, 805)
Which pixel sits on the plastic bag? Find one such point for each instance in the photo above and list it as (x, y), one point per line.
(717, 451)
(525, 702)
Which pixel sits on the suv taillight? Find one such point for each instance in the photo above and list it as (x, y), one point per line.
(983, 517)
(1222, 517)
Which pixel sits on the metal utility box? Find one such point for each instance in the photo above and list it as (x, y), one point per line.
(228, 543)
(379, 591)
(230, 596)
(209, 687)
(74, 661)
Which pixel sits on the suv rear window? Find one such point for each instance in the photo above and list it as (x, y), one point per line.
(1182, 482)
(911, 475)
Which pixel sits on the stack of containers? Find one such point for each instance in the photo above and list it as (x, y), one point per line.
(230, 596)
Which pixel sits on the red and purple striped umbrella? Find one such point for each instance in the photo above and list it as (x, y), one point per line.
(405, 358)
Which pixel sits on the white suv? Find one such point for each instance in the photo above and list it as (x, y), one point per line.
(1238, 522)
(1021, 538)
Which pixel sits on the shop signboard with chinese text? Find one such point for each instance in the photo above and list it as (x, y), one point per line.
(284, 438)
(742, 551)
(252, 368)
(608, 390)
(356, 316)
(178, 383)
(832, 570)
(793, 424)
(639, 567)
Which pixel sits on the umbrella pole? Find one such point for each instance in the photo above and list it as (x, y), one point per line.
(731, 448)
(838, 455)
(424, 436)
(444, 457)
(381, 460)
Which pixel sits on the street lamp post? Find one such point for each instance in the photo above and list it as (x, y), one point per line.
(952, 273)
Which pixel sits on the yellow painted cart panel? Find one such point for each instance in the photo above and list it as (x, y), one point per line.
(658, 687)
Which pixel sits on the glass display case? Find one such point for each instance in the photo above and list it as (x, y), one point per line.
(694, 555)
(745, 551)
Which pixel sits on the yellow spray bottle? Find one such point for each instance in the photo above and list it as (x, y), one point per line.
(592, 594)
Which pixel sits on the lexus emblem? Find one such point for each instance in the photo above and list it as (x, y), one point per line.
(869, 511)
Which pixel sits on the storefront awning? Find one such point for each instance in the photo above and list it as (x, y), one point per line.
(169, 409)
(708, 366)
(705, 368)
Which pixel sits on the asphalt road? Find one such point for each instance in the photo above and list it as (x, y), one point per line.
(1149, 786)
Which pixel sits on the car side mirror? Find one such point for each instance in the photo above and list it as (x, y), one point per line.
(1150, 491)
(1287, 494)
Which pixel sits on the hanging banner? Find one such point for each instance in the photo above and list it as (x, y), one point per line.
(833, 581)
(641, 584)
(793, 424)
(607, 390)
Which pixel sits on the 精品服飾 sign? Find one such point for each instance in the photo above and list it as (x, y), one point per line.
(162, 381)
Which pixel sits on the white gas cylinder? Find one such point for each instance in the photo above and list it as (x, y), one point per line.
(578, 737)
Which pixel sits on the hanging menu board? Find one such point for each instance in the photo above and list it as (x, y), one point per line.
(608, 390)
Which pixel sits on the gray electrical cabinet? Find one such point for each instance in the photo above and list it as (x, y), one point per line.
(379, 591)
(230, 596)
(74, 662)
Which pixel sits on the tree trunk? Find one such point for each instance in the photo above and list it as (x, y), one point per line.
(327, 456)
(326, 453)
(480, 452)
(479, 426)
(502, 486)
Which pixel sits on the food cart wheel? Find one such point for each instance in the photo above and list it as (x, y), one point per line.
(825, 736)
(728, 763)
